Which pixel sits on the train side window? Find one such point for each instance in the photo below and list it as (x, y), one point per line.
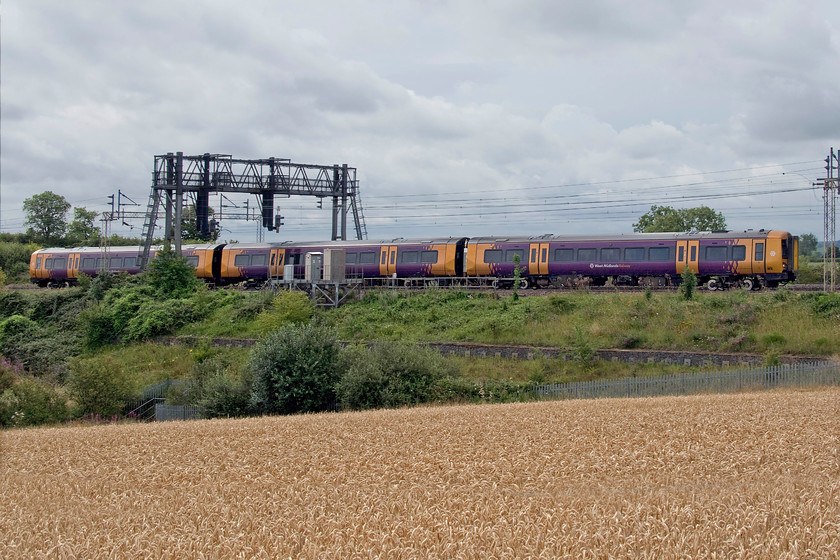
(586, 255)
(759, 251)
(564, 255)
(88, 262)
(384, 256)
(409, 257)
(279, 259)
(660, 254)
(634, 254)
(193, 261)
(681, 256)
(48, 264)
(612, 254)
(273, 258)
(241, 260)
(393, 256)
(739, 252)
(544, 254)
(693, 253)
(534, 255)
(351, 258)
(258, 260)
(511, 253)
(429, 257)
(367, 258)
(715, 253)
(60, 263)
(492, 256)
(115, 262)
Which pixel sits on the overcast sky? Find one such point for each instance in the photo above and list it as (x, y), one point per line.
(461, 117)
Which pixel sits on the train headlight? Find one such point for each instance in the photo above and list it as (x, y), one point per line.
(784, 266)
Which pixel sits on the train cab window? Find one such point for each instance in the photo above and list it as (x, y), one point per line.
(586, 255)
(662, 254)
(258, 260)
(241, 260)
(785, 249)
(759, 251)
(429, 257)
(564, 255)
(38, 263)
(715, 253)
(511, 253)
(351, 258)
(367, 258)
(409, 257)
(634, 254)
(193, 261)
(533, 255)
(492, 256)
(739, 252)
(612, 254)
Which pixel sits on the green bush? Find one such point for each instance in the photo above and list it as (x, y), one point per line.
(158, 317)
(170, 276)
(285, 308)
(688, 284)
(217, 390)
(31, 402)
(99, 387)
(12, 302)
(390, 374)
(97, 327)
(15, 332)
(294, 370)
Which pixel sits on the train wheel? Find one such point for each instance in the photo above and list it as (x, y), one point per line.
(523, 283)
(495, 283)
(748, 284)
(714, 284)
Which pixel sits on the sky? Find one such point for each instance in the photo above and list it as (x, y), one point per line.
(462, 118)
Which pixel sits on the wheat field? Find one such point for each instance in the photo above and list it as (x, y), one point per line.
(724, 476)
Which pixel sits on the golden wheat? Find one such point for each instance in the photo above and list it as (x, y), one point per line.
(729, 476)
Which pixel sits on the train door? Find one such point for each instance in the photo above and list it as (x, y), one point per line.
(538, 259)
(687, 255)
(73, 266)
(757, 254)
(275, 263)
(388, 260)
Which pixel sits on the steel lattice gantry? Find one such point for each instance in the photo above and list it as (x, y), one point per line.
(176, 175)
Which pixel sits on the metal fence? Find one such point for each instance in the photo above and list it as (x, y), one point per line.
(166, 412)
(747, 379)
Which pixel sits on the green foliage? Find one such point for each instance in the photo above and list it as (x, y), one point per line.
(157, 317)
(287, 307)
(825, 304)
(14, 259)
(12, 302)
(97, 326)
(666, 218)
(807, 243)
(169, 275)
(46, 216)
(688, 284)
(31, 402)
(82, 230)
(15, 332)
(390, 374)
(294, 370)
(98, 387)
(460, 390)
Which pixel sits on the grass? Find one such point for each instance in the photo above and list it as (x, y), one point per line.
(714, 476)
(729, 322)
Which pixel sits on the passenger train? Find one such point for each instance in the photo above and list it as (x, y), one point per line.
(748, 259)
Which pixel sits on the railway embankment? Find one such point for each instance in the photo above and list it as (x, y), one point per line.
(518, 352)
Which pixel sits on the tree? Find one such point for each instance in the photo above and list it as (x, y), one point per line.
(170, 276)
(666, 218)
(46, 216)
(807, 243)
(81, 230)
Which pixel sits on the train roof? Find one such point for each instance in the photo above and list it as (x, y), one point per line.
(666, 236)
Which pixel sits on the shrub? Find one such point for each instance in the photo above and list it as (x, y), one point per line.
(217, 391)
(170, 276)
(98, 387)
(158, 317)
(15, 332)
(689, 282)
(294, 370)
(391, 374)
(12, 302)
(97, 327)
(285, 308)
(31, 402)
